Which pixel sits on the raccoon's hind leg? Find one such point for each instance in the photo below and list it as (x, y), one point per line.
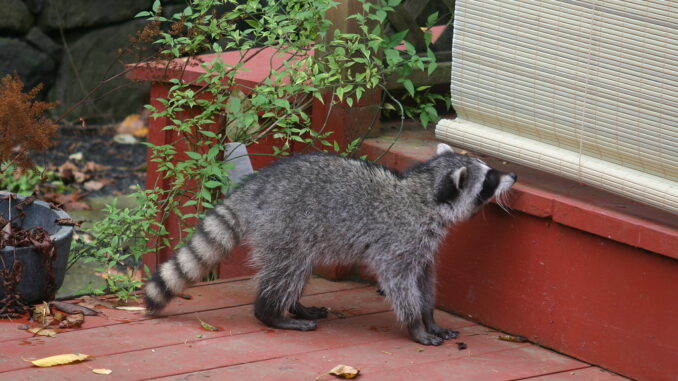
(280, 287)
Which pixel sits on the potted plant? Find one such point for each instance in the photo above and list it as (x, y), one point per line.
(35, 236)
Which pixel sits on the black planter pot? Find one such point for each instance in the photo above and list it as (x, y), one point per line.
(33, 286)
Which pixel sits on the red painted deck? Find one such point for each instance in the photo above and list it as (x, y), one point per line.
(361, 332)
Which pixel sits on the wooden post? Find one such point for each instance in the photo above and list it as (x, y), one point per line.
(347, 122)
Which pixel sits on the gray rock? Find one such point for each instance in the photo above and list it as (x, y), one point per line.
(95, 58)
(35, 6)
(69, 14)
(42, 42)
(14, 16)
(32, 65)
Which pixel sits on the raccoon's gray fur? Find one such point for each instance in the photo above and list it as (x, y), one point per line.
(324, 209)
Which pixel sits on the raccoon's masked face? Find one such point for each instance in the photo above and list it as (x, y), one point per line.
(466, 184)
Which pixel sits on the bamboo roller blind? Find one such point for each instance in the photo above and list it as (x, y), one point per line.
(585, 89)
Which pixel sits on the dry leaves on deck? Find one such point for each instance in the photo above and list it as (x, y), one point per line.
(102, 371)
(344, 371)
(48, 318)
(59, 360)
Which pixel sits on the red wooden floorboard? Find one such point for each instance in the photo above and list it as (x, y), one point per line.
(590, 373)
(361, 331)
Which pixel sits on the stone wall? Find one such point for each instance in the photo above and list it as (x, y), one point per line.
(71, 46)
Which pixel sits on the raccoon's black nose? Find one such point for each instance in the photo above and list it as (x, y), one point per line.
(513, 176)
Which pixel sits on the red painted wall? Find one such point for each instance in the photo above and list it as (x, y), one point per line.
(592, 298)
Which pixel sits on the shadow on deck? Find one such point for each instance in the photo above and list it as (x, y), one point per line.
(361, 331)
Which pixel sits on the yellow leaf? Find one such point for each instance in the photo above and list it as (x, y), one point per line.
(102, 371)
(59, 359)
(140, 133)
(39, 331)
(344, 371)
(515, 339)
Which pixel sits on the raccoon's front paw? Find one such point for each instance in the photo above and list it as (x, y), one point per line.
(444, 333)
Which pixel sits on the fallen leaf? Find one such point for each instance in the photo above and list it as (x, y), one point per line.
(39, 331)
(72, 321)
(124, 139)
(91, 302)
(514, 339)
(87, 238)
(132, 124)
(93, 185)
(131, 308)
(68, 222)
(185, 296)
(76, 156)
(7, 229)
(140, 133)
(59, 360)
(339, 314)
(102, 371)
(92, 167)
(67, 201)
(209, 327)
(41, 312)
(69, 172)
(344, 371)
(71, 308)
(22, 327)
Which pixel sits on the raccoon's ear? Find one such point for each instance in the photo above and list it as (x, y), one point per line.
(459, 177)
(443, 148)
(449, 187)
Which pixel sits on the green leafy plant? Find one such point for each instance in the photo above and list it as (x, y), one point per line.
(322, 63)
(119, 242)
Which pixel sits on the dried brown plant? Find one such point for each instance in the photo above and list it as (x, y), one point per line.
(23, 125)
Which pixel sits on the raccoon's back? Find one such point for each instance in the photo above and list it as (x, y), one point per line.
(320, 190)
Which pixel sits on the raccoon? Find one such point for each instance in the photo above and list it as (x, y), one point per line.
(321, 209)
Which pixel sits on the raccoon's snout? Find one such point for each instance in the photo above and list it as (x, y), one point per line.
(513, 176)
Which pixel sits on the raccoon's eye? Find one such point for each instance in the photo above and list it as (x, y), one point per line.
(489, 187)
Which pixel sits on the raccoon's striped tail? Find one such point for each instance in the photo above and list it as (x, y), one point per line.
(214, 238)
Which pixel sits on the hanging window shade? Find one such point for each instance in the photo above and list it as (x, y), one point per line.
(584, 89)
